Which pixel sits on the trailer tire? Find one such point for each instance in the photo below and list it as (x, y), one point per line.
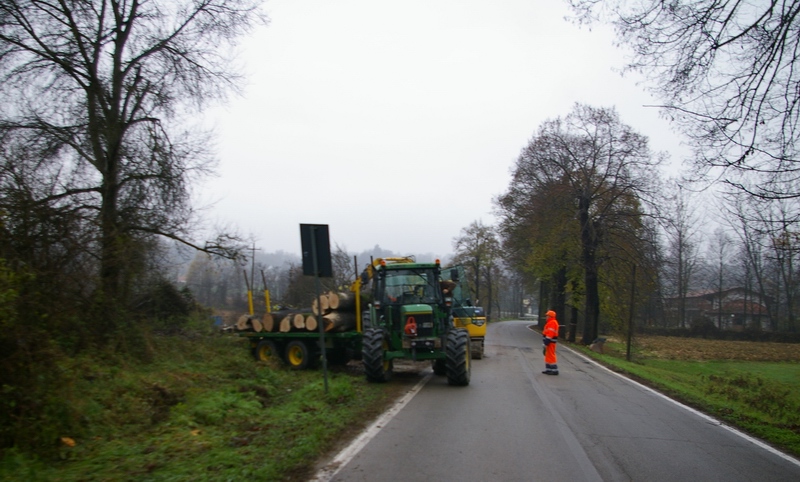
(457, 365)
(376, 368)
(297, 355)
(267, 350)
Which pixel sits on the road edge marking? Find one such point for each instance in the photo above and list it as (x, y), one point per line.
(341, 459)
(705, 416)
(579, 454)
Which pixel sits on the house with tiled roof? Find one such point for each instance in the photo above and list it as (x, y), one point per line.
(732, 309)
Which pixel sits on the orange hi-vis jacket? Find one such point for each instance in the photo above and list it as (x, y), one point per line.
(550, 333)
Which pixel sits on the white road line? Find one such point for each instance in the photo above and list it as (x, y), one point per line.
(580, 458)
(702, 415)
(342, 458)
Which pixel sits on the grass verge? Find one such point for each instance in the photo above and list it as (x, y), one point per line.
(202, 410)
(752, 386)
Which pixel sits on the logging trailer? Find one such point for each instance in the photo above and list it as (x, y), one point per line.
(416, 311)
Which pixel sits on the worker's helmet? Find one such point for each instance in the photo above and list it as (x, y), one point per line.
(551, 314)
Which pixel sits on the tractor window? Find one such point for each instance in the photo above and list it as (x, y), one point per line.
(460, 293)
(409, 286)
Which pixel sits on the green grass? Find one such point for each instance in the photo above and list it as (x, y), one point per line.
(760, 398)
(202, 410)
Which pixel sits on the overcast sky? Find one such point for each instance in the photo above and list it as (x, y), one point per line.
(398, 123)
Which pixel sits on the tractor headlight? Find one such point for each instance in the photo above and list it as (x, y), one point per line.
(478, 321)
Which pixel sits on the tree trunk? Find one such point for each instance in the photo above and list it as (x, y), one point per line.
(320, 305)
(299, 321)
(268, 322)
(241, 323)
(561, 299)
(588, 260)
(592, 308)
(573, 324)
(286, 324)
(249, 323)
(337, 321)
(311, 323)
(333, 300)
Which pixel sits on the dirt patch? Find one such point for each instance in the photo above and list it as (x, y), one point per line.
(675, 348)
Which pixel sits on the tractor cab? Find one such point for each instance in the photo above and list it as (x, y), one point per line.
(410, 295)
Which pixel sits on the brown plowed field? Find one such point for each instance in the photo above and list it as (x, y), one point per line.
(675, 348)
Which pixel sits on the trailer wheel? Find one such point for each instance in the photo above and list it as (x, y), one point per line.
(372, 356)
(298, 355)
(458, 357)
(267, 350)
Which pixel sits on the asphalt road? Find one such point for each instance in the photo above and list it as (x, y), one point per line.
(513, 423)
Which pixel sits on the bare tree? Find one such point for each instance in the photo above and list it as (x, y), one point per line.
(726, 72)
(344, 269)
(720, 254)
(97, 91)
(478, 249)
(681, 225)
(772, 243)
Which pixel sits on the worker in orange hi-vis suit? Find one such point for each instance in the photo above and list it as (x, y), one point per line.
(550, 338)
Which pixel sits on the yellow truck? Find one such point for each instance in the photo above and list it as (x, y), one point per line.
(468, 316)
(473, 320)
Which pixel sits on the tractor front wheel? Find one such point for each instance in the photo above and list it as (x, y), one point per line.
(372, 356)
(457, 364)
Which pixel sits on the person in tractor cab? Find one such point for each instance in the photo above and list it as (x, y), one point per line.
(550, 338)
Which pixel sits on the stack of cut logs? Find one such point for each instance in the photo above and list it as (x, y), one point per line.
(337, 310)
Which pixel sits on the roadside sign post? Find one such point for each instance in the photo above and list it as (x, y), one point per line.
(316, 249)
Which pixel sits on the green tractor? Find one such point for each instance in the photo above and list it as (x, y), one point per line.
(411, 317)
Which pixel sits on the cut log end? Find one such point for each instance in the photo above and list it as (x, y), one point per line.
(299, 321)
(311, 323)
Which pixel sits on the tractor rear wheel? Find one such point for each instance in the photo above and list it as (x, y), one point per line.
(372, 356)
(457, 364)
(267, 350)
(366, 320)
